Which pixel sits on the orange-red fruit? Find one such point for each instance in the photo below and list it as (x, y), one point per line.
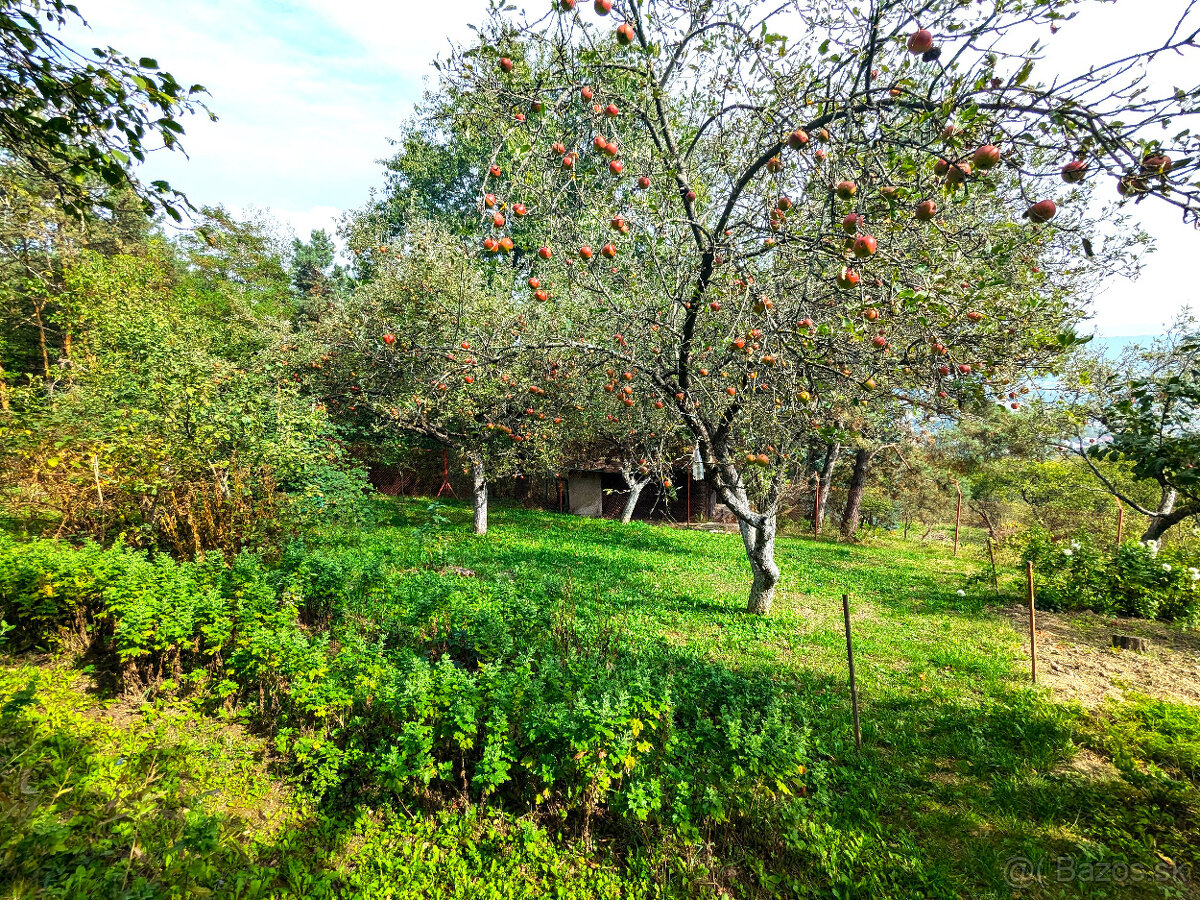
(925, 210)
(617, 222)
(783, 204)
(959, 172)
(494, 171)
(865, 245)
(986, 157)
(489, 200)
(541, 296)
(643, 182)
(940, 168)
(559, 147)
(920, 42)
(1074, 171)
(506, 64)
(585, 252)
(851, 222)
(545, 252)
(506, 244)
(612, 110)
(846, 189)
(602, 7)
(535, 283)
(616, 167)
(625, 34)
(491, 245)
(566, 5)
(774, 164)
(389, 339)
(1042, 211)
(871, 314)
(586, 92)
(469, 379)
(974, 316)
(731, 391)
(519, 209)
(847, 278)
(498, 220)
(609, 250)
(1156, 164)
(797, 139)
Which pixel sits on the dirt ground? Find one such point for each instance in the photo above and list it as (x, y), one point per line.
(1076, 657)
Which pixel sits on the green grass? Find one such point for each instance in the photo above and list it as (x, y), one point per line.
(964, 766)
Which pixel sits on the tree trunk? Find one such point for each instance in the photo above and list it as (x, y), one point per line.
(825, 482)
(635, 491)
(1168, 515)
(759, 539)
(479, 490)
(858, 484)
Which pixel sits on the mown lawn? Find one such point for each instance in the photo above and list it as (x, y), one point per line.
(967, 782)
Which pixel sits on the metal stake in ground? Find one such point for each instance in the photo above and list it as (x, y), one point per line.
(853, 683)
(1032, 625)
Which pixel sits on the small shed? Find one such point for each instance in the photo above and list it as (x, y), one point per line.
(598, 490)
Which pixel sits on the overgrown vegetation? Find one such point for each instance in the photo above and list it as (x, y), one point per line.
(594, 682)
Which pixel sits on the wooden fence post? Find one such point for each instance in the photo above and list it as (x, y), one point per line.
(957, 517)
(1032, 625)
(853, 682)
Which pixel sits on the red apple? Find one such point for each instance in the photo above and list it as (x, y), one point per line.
(774, 164)
(964, 368)
(1042, 211)
(1156, 164)
(489, 200)
(880, 341)
(609, 250)
(566, 5)
(545, 252)
(851, 222)
(491, 245)
(959, 172)
(602, 7)
(731, 391)
(559, 147)
(519, 209)
(847, 278)
(611, 110)
(871, 314)
(690, 196)
(535, 283)
(783, 204)
(944, 370)
(494, 171)
(616, 166)
(586, 92)
(506, 244)
(585, 252)
(865, 245)
(797, 139)
(975, 316)
(469, 379)
(925, 211)
(940, 168)
(617, 223)
(986, 157)
(541, 296)
(498, 220)
(506, 64)
(920, 42)
(389, 339)
(643, 182)
(845, 189)
(568, 161)
(1074, 171)
(625, 34)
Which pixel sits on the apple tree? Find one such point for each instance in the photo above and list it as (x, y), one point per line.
(436, 345)
(823, 203)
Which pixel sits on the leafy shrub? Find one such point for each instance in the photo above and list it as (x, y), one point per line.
(1135, 579)
(421, 683)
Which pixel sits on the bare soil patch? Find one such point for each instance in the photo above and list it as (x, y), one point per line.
(1076, 657)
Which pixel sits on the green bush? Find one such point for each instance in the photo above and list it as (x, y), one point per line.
(422, 683)
(1135, 579)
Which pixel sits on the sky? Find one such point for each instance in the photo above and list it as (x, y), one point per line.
(308, 92)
